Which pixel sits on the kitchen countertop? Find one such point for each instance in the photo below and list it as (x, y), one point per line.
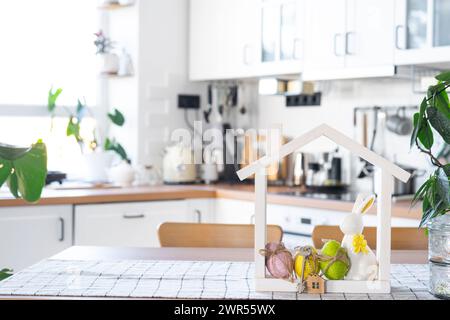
(174, 192)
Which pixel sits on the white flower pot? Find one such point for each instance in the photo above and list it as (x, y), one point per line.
(108, 63)
(96, 166)
(122, 174)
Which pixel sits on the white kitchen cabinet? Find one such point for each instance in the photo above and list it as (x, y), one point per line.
(421, 31)
(349, 39)
(282, 37)
(222, 38)
(325, 40)
(201, 209)
(234, 211)
(127, 224)
(32, 233)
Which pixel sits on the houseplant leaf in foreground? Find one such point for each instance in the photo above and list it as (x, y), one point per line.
(5, 273)
(444, 76)
(26, 174)
(439, 122)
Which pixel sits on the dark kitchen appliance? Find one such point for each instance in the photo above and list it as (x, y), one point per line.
(55, 176)
(231, 156)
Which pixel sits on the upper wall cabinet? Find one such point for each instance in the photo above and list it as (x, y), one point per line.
(349, 39)
(282, 37)
(223, 40)
(422, 31)
(245, 38)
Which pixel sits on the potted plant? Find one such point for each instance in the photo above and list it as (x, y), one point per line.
(123, 173)
(433, 119)
(97, 159)
(24, 171)
(108, 61)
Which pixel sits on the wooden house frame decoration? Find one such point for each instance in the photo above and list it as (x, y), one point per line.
(389, 171)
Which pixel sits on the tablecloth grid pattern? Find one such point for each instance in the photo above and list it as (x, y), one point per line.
(180, 279)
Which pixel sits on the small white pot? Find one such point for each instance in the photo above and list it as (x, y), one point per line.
(122, 174)
(108, 63)
(96, 166)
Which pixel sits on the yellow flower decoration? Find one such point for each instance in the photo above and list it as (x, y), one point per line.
(359, 244)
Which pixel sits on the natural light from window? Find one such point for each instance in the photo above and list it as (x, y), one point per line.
(46, 43)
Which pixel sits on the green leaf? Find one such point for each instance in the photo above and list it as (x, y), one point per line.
(121, 152)
(425, 135)
(73, 128)
(108, 144)
(442, 104)
(440, 123)
(444, 76)
(5, 273)
(112, 145)
(31, 171)
(446, 169)
(13, 185)
(117, 118)
(81, 108)
(52, 97)
(415, 130)
(430, 195)
(9, 152)
(425, 218)
(420, 193)
(25, 175)
(418, 120)
(5, 170)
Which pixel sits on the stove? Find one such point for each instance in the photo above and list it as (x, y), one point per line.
(347, 196)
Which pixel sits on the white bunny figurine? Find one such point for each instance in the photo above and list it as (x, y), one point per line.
(364, 264)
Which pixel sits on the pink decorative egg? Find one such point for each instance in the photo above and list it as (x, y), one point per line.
(279, 260)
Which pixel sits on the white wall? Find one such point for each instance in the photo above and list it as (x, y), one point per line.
(156, 35)
(163, 74)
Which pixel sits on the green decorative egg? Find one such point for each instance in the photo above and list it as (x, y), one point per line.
(338, 269)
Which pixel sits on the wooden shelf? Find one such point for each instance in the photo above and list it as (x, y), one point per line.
(114, 76)
(114, 6)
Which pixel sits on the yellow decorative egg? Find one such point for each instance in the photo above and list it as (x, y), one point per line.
(311, 266)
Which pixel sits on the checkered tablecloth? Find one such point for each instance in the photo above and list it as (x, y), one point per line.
(179, 279)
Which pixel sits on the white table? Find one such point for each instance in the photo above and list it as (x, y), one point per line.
(188, 273)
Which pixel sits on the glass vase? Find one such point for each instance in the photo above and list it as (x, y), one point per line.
(439, 256)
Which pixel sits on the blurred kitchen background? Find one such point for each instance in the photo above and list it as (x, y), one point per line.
(359, 66)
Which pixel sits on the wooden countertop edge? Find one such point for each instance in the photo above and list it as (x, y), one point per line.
(113, 197)
(400, 210)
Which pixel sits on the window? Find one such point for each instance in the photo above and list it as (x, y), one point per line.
(63, 152)
(45, 43)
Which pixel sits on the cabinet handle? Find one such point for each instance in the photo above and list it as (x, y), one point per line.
(252, 219)
(335, 40)
(199, 215)
(296, 54)
(347, 40)
(397, 29)
(62, 234)
(133, 216)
